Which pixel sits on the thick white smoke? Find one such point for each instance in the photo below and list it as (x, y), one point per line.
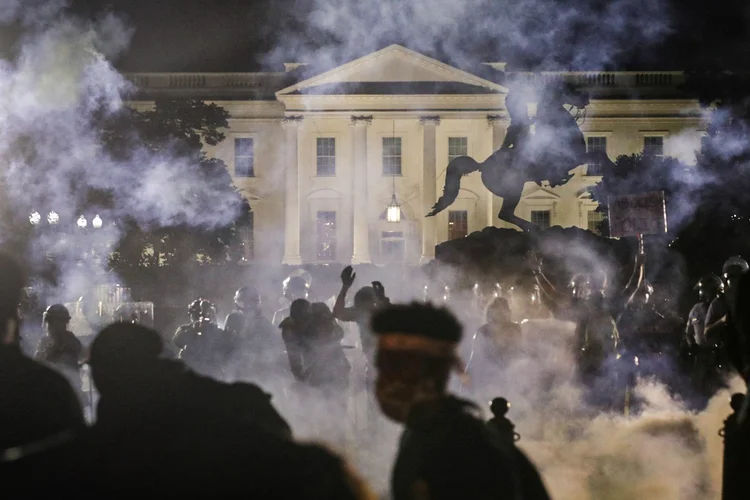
(569, 34)
(53, 95)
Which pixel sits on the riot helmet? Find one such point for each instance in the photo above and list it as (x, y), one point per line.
(247, 298)
(733, 268)
(207, 311)
(584, 286)
(194, 310)
(56, 318)
(295, 288)
(708, 287)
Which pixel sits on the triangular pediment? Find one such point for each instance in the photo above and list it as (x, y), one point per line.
(540, 193)
(397, 69)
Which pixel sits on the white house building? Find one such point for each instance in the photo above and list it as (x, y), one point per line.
(320, 159)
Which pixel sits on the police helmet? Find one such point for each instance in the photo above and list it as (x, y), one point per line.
(207, 310)
(295, 287)
(735, 262)
(56, 312)
(194, 309)
(247, 297)
(710, 283)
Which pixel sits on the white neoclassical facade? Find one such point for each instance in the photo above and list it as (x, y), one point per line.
(320, 159)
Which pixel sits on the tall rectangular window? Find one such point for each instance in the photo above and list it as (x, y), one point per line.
(458, 224)
(392, 246)
(326, 247)
(326, 156)
(244, 157)
(594, 222)
(598, 145)
(391, 156)
(653, 146)
(246, 233)
(541, 218)
(457, 146)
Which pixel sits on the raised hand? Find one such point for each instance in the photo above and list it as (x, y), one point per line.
(347, 276)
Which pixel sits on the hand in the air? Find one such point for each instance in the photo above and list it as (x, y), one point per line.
(347, 276)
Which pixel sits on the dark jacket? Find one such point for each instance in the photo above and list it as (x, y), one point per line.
(447, 453)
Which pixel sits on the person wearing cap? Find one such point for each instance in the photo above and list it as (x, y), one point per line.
(59, 347)
(446, 450)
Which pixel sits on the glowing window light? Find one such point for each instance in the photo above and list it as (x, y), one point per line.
(53, 217)
(35, 218)
(393, 213)
(82, 222)
(97, 222)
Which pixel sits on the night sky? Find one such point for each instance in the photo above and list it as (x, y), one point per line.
(234, 35)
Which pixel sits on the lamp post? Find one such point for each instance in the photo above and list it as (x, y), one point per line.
(393, 212)
(97, 222)
(82, 222)
(35, 218)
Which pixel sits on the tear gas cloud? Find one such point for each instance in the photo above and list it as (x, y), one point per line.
(54, 92)
(565, 35)
(62, 78)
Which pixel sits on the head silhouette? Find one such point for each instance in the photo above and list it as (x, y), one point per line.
(123, 357)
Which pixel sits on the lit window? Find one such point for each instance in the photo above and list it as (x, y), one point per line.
(326, 156)
(246, 233)
(653, 146)
(594, 222)
(326, 246)
(244, 158)
(593, 145)
(458, 224)
(391, 156)
(541, 218)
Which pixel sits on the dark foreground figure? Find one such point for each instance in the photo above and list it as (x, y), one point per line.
(446, 451)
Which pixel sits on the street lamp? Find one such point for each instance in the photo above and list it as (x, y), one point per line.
(35, 218)
(82, 222)
(97, 222)
(53, 217)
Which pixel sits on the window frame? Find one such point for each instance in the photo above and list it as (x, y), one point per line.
(400, 156)
(452, 224)
(245, 229)
(317, 156)
(253, 169)
(333, 244)
(663, 134)
(549, 218)
(606, 152)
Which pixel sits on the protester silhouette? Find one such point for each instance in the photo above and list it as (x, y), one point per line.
(446, 451)
(40, 414)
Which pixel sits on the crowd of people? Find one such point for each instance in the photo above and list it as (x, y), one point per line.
(192, 415)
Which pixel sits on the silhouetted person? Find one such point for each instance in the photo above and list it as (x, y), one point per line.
(296, 286)
(260, 350)
(40, 415)
(313, 345)
(164, 430)
(500, 424)
(367, 300)
(499, 338)
(203, 346)
(736, 455)
(708, 287)
(446, 451)
(59, 347)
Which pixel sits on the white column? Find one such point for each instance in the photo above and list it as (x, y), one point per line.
(291, 192)
(429, 185)
(360, 219)
(499, 126)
